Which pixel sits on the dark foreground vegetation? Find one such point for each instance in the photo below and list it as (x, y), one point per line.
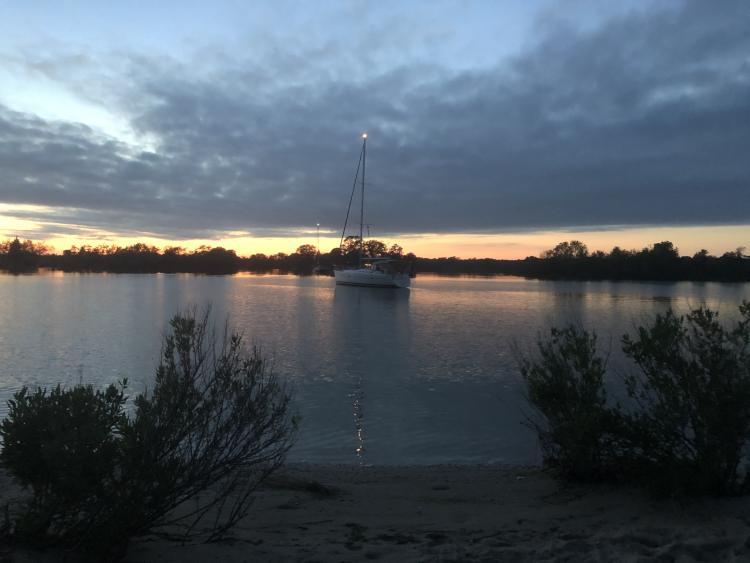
(183, 462)
(684, 427)
(568, 260)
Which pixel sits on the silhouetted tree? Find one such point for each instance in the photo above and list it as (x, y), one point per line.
(350, 246)
(375, 248)
(568, 250)
(303, 259)
(702, 254)
(19, 257)
(396, 251)
(306, 250)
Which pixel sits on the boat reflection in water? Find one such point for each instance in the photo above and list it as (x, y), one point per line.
(370, 334)
(357, 396)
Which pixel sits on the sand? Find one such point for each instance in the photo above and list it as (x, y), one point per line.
(464, 513)
(454, 513)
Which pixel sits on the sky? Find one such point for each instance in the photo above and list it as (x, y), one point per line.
(495, 128)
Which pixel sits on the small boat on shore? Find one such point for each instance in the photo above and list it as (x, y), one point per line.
(371, 272)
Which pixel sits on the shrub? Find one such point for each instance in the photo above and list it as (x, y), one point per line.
(64, 446)
(565, 384)
(687, 426)
(215, 424)
(692, 390)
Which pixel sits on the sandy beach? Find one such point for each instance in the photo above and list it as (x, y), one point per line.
(464, 513)
(454, 513)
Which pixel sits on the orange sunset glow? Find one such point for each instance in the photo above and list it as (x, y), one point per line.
(689, 240)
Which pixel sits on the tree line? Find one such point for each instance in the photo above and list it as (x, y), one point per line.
(568, 260)
(573, 261)
(27, 256)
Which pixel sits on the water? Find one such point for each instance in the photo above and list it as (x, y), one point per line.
(380, 376)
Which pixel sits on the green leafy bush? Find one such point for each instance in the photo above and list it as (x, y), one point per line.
(686, 428)
(565, 384)
(216, 423)
(65, 446)
(692, 389)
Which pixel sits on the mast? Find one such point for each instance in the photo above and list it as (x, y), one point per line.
(362, 203)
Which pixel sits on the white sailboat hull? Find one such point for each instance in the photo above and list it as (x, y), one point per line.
(371, 278)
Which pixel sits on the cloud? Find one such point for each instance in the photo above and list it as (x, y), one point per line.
(644, 119)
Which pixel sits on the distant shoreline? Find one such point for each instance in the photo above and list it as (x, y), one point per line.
(567, 261)
(440, 273)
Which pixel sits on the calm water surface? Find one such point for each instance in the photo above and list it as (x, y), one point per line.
(380, 376)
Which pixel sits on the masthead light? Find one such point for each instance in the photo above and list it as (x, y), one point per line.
(364, 135)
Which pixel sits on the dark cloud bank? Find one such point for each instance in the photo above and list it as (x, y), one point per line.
(644, 121)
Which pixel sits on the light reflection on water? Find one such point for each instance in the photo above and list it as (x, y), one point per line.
(380, 376)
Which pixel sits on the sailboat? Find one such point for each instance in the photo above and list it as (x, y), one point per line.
(373, 272)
